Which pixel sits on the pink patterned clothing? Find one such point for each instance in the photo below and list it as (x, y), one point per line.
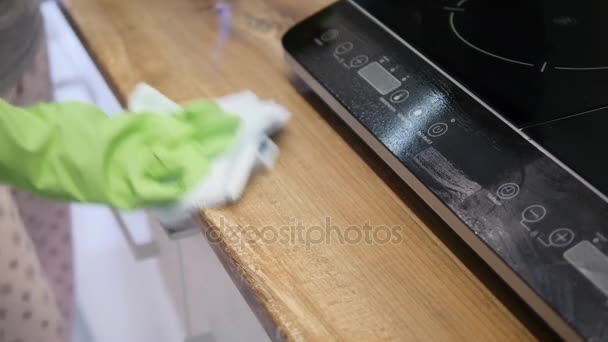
(36, 277)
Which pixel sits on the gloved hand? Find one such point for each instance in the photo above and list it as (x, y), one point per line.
(74, 152)
(231, 171)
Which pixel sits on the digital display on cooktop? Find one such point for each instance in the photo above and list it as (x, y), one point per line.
(533, 61)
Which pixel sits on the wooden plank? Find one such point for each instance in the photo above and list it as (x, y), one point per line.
(424, 285)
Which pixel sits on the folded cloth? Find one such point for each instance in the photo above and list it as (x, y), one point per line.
(230, 171)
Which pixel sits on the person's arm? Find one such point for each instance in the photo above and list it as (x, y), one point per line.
(21, 32)
(75, 152)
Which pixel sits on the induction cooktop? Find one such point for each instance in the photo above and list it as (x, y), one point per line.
(496, 114)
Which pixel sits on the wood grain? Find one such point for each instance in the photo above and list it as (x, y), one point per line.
(428, 286)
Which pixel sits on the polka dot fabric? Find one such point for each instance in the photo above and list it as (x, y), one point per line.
(29, 310)
(35, 246)
(48, 226)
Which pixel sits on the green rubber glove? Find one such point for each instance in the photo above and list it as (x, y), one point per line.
(74, 152)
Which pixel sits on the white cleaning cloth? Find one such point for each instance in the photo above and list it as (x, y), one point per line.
(230, 172)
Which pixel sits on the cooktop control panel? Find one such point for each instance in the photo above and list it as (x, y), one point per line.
(537, 216)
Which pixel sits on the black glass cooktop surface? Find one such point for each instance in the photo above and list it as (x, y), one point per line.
(401, 74)
(533, 61)
(580, 142)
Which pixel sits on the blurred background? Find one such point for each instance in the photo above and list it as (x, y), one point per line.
(132, 282)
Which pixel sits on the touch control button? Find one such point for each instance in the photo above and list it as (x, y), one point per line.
(534, 213)
(418, 111)
(508, 191)
(330, 35)
(400, 96)
(359, 61)
(344, 48)
(438, 130)
(561, 237)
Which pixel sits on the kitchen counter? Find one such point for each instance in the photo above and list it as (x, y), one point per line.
(423, 284)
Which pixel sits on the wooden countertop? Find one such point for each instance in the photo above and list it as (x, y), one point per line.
(426, 286)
